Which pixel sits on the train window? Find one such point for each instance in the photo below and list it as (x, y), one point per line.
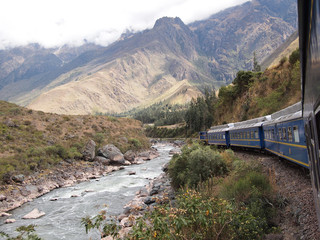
(272, 134)
(296, 134)
(284, 134)
(251, 134)
(279, 134)
(256, 135)
(269, 134)
(289, 134)
(223, 136)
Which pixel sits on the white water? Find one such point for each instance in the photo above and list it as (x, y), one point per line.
(111, 193)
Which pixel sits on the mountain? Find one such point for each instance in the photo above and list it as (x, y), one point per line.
(230, 37)
(283, 51)
(171, 62)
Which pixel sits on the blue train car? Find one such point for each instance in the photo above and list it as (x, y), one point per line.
(248, 133)
(284, 135)
(219, 135)
(203, 136)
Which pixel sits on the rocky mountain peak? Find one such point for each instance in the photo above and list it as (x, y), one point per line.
(166, 21)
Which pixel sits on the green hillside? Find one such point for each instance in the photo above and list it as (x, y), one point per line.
(255, 94)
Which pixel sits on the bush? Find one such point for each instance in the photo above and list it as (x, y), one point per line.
(294, 57)
(135, 143)
(193, 218)
(194, 165)
(253, 190)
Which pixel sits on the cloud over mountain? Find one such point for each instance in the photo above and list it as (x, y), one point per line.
(57, 22)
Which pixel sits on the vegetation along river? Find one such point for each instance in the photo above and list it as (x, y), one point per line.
(111, 193)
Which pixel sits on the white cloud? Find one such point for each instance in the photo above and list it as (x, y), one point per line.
(57, 22)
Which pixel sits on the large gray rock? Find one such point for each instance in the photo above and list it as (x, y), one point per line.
(18, 178)
(89, 151)
(3, 197)
(144, 155)
(113, 153)
(35, 213)
(129, 155)
(102, 160)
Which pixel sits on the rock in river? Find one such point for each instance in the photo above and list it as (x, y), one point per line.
(35, 213)
(111, 152)
(10, 220)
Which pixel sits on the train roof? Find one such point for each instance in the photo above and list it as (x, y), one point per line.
(221, 128)
(255, 122)
(285, 118)
(290, 113)
(287, 111)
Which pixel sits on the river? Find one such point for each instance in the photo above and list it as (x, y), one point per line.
(110, 193)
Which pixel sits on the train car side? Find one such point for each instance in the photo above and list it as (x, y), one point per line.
(247, 137)
(286, 139)
(203, 137)
(219, 135)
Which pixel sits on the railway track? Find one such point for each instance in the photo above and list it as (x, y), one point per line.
(297, 218)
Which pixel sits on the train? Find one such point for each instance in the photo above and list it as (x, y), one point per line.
(309, 45)
(281, 133)
(292, 133)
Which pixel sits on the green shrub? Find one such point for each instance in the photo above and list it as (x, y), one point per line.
(193, 217)
(135, 143)
(99, 139)
(294, 57)
(194, 165)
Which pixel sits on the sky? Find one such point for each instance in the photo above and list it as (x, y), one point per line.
(53, 23)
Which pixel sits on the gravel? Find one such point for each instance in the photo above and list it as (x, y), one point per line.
(297, 219)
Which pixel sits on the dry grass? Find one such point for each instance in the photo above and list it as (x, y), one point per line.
(40, 140)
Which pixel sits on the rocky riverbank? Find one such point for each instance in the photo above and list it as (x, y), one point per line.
(158, 191)
(22, 189)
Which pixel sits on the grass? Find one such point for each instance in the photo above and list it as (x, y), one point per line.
(39, 140)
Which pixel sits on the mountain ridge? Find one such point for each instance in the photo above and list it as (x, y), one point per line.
(204, 54)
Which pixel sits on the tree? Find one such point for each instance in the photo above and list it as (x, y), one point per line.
(256, 66)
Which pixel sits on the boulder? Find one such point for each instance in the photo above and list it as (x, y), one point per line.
(144, 155)
(127, 163)
(10, 123)
(165, 167)
(124, 139)
(179, 143)
(3, 197)
(18, 178)
(129, 155)
(35, 213)
(89, 151)
(9, 220)
(102, 160)
(4, 214)
(175, 151)
(113, 153)
(131, 173)
(149, 200)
